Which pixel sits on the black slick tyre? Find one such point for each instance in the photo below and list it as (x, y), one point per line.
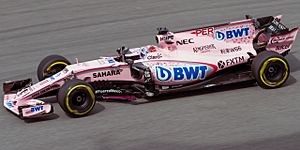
(76, 98)
(51, 65)
(270, 69)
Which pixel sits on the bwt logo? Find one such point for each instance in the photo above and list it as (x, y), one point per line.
(181, 73)
(37, 108)
(9, 104)
(236, 33)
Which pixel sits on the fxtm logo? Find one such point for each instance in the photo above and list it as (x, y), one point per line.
(230, 62)
(181, 73)
(37, 108)
(185, 41)
(236, 33)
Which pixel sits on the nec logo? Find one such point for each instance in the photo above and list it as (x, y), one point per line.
(182, 73)
(236, 33)
(37, 108)
(185, 41)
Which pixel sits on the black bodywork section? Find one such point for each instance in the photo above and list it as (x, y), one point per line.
(14, 86)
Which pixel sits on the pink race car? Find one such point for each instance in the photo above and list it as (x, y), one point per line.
(250, 49)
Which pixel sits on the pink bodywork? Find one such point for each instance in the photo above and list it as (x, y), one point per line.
(216, 48)
(282, 43)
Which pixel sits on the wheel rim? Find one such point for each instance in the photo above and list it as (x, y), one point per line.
(274, 72)
(80, 100)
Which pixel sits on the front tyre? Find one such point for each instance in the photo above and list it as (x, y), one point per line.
(270, 69)
(76, 98)
(51, 65)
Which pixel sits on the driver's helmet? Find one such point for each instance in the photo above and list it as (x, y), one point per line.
(143, 52)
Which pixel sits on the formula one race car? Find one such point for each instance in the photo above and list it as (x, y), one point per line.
(250, 49)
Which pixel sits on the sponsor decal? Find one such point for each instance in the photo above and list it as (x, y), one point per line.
(52, 78)
(230, 62)
(181, 73)
(276, 25)
(110, 91)
(185, 41)
(230, 34)
(58, 74)
(23, 92)
(230, 50)
(65, 71)
(282, 47)
(37, 108)
(157, 56)
(169, 37)
(280, 39)
(9, 104)
(110, 60)
(55, 76)
(204, 49)
(204, 31)
(107, 73)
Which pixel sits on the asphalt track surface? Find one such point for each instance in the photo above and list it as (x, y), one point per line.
(241, 116)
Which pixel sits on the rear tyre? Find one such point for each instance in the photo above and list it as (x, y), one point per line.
(51, 65)
(76, 98)
(270, 69)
